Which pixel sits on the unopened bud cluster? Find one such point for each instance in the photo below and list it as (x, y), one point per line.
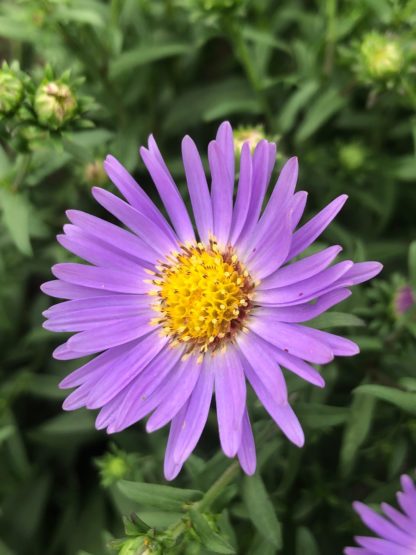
(32, 112)
(55, 104)
(382, 57)
(11, 90)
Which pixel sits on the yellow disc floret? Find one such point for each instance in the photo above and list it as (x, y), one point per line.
(204, 296)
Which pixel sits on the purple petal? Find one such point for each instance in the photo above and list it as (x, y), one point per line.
(306, 290)
(225, 141)
(221, 193)
(116, 378)
(305, 312)
(168, 192)
(134, 194)
(94, 251)
(188, 375)
(307, 234)
(63, 290)
(154, 384)
(408, 505)
(90, 313)
(242, 202)
(194, 417)
(299, 367)
(340, 346)
(398, 518)
(198, 189)
(282, 193)
(116, 333)
(281, 413)
(270, 251)
(247, 449)
(171, 468)
(292, 338)
(95, 366)
(380, 525)
(230, 397)
(264, 365)
(102, 278)
(301, 270)
(298, 207)
(360, 272)
(113, 235)
(160, 240)
(382, 547)
(72, 308)
(260, 179)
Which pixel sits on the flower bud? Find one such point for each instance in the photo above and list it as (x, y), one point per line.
(382, 56)
(403, 300)
(55, 104)
(252, 135)
(352, 156)
(94, 174)
(11, 91)
(132, 546)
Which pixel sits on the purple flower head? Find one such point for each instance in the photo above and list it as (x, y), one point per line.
(179, 315)
(396, 531)
(403, 300)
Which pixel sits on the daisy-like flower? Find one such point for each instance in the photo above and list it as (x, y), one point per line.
(396, 530)
(178, 314)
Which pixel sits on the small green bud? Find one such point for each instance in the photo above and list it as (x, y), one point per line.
(382, 57)
(132, 546)
(94, 173)
(352, 156)
(252, 135)
(55, 104)
(11, 91)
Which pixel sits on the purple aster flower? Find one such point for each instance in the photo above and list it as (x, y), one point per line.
(178, 314)
(396, 530)
(403, 300)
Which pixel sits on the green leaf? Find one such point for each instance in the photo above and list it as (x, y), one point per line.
(16, 211)
(209, 538)
(403, 399)
(261, 511)
(79, 14)
(412, 264)
(146, 54)
(263, 36)
(315, 415)
(6, 432)
(335, 320)
(305, 542)
(296, 102)
(153, 495)
(68, 423)
(356, 431)
(321, 110)
(4, 550)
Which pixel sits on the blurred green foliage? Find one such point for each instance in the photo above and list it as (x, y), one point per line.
(334, 81)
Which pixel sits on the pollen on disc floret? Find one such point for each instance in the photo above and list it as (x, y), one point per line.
(204, 296)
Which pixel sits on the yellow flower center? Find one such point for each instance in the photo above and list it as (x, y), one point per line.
(204, 296)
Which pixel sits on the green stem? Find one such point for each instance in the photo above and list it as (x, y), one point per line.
(21, 171)
(218, 487)
(242, 52)
(331, 14)
(177, 530)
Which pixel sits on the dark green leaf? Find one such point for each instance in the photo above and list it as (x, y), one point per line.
(402, 399)
(209, 538)
(153, 495)
(260, 510)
